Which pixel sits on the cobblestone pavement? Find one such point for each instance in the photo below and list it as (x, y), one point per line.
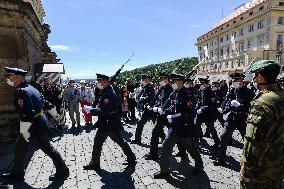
(76, 150)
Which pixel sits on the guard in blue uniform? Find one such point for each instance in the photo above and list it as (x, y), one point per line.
(206, 111)
(181, 127)
(111, 126)
(237, 103)
(146, 98)
(30, 105)
(161, 97)
(219, 98)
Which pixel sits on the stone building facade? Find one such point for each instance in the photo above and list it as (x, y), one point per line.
(23, 39)
(254, 31)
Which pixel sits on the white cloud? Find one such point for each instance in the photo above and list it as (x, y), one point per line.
(60, 48)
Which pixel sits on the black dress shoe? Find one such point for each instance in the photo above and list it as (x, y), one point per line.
(135, 142)
(131, 163)
(219, 163)
(215, 146)
(181, 154)
(160, 175)
(59, 176)
(207, 135)
(92, 166)
(12, 177)
(196, 171)
(151, 157)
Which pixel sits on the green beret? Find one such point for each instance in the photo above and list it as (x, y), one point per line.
(261, 65)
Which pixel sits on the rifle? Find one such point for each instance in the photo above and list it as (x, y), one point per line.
(252, 62)
(113, 78)
(178, 66)
(191, 72)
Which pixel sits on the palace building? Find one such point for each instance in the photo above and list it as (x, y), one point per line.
(254, 31)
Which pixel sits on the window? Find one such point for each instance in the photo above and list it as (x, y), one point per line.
(241, 32)
(261, 8)
(227, 65)
(215, 66)
(228, 50)
(280, 39)
(251, 28)
(260, 24)
(281, 3)
(216, 53)
(211, 54)
(227, 38)
(260, 41)
(216, 42)
(250, 44)
(241, 62)
(234, 34)
(221, 52)
(280, 20)
(221, 40)
(241, 47)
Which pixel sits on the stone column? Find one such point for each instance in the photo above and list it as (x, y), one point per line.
(21, 36)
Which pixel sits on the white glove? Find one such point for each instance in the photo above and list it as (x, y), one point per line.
(172, 117)
(142, 98)
(235, 103)
(54, 113)
(60, 96)
(149, 107)
(87, 109)
(24, 130)
(155, 109)
(199, 111)
(220, 110)
(160, 110)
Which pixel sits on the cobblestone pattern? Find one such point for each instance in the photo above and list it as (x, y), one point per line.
(77, 149)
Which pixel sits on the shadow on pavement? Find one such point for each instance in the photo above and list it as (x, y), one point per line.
(183, 178)
(113, 180)
(24, 185)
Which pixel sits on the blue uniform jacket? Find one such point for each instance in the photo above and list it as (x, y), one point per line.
(162, 95)
(183, 104)
(244, 96)
(106, 111)
(148, 94)
(30, 105)
(207, 103)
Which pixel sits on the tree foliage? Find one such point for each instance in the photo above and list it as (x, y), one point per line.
(183, 66)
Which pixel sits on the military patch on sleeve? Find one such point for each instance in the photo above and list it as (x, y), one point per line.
(21, 102)
(106, 101)
(253, 118)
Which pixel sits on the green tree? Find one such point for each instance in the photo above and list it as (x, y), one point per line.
(184, 66)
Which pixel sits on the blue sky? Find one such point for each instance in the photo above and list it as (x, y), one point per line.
(97, 36)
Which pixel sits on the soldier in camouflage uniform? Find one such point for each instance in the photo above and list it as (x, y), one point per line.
(262, 161)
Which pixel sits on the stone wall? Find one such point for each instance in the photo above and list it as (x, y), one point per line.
(22, 39)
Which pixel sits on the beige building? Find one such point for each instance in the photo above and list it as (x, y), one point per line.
(254, 31)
